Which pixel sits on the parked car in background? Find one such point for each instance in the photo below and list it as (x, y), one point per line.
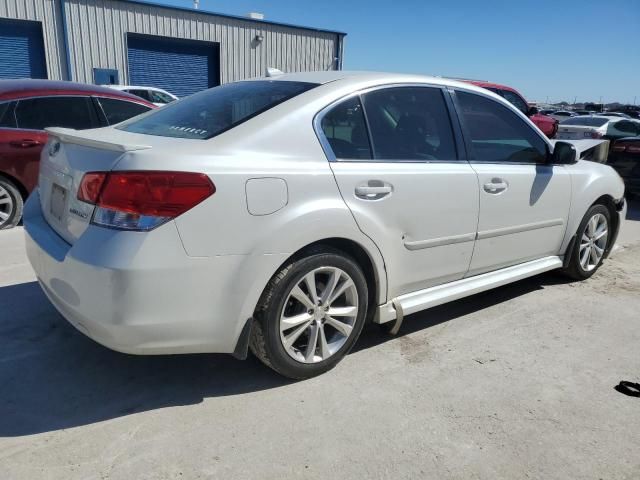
(624, 156)
(279, 214)
(584, 112)
(615, 114)
(548, 125)
(597, 126)
(157, 96)
(561, 115)
(27, 107)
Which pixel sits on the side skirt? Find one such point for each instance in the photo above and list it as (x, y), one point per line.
(433, 296)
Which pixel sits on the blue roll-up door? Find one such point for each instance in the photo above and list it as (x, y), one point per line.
(21, 49)
(181, 67)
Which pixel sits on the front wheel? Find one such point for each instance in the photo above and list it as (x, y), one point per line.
(591, 243)
(310, 314)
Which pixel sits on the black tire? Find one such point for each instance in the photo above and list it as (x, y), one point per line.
(574, 269)
(16, 204)
(265, 342)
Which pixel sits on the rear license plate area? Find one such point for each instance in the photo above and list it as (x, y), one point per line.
(58, 201)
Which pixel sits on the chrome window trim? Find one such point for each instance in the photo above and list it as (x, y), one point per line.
(326, 146)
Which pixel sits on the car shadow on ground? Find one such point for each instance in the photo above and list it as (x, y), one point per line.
(53, 377)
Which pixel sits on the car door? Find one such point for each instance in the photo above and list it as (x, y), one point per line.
(524, 201)
(395, 158)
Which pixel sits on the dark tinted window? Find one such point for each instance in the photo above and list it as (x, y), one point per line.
(68, 112)
(585, 121)
(118, 111)
(160, 97)
(211, 112)
(516, 100)
(498, 134)
(140, 93)
(627, 127)
(345, 128)
(7, 117)
(409, 123)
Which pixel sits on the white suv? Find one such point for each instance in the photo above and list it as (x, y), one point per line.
(281, 214)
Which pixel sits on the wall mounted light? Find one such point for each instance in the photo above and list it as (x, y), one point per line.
(259, 38)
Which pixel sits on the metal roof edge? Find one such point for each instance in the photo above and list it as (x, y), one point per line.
(233, 17)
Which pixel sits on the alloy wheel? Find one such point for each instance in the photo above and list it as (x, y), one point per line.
(319, 315)
(6, 205)
(593, 242)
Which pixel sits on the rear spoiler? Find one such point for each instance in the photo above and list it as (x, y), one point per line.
(88, 138)
(593, 150)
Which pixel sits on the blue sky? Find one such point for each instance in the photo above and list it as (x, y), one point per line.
(562, 49)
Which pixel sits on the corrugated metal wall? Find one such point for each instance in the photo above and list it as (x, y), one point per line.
(47, 12)
(97, 34)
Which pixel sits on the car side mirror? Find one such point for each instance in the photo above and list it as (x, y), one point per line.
(532, 111)
(563, 154)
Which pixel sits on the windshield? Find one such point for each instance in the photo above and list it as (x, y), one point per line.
(585, 121)
(211, 112)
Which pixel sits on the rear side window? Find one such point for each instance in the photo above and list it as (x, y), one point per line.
(346, 130)
(497, 134)
(627, 127)
(118, 111)
(67, 112)
(159, 97)
(7, 115)
(409, 123)
(140, 93)
(211, 112)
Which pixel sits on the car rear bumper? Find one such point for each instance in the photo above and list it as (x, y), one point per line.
(137, 292)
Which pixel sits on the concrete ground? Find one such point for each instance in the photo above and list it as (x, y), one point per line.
(513, 383)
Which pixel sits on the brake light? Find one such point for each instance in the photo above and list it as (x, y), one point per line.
(633, 148)
(596, 135)
(142, 200)
(617, 147)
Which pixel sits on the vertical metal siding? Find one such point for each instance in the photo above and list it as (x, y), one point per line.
(97, 37)
(47, 12)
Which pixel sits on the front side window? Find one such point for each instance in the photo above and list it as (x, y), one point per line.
(7, 115)
(497, 134)
(118, 111)
(516, 100)
(409, 123)
(345, 129)
(211, 112)
(67, 112)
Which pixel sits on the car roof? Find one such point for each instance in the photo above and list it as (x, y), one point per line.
(486, 84)
(363, 77)
(23, 88)
(137, 87)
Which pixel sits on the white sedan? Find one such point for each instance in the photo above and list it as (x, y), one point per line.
(597, 126)
(281, 214)
(157, 96)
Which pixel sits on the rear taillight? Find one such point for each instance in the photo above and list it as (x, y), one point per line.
(633, 148)
(142, 200)
(596, 135)
(618, 147)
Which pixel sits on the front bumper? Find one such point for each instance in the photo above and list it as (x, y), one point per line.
(137, 292)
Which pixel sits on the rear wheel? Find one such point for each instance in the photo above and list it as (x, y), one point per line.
(10, 204)
(591, 243)
(310, 314)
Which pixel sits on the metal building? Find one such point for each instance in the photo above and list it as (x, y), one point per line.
(140, 43)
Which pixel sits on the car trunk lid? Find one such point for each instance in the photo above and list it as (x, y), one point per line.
(68, 155)
(576, 132)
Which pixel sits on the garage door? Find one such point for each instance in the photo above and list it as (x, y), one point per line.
(181, 67)
(21, 50)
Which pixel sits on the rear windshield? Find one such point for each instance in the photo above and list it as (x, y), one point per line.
(585, 121)
(211, 112)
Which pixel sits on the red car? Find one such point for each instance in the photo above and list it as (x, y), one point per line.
(548, 125)
(27, 107)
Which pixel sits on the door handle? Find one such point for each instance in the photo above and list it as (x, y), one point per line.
(496, 185)
(373, 190)
(25, 143)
